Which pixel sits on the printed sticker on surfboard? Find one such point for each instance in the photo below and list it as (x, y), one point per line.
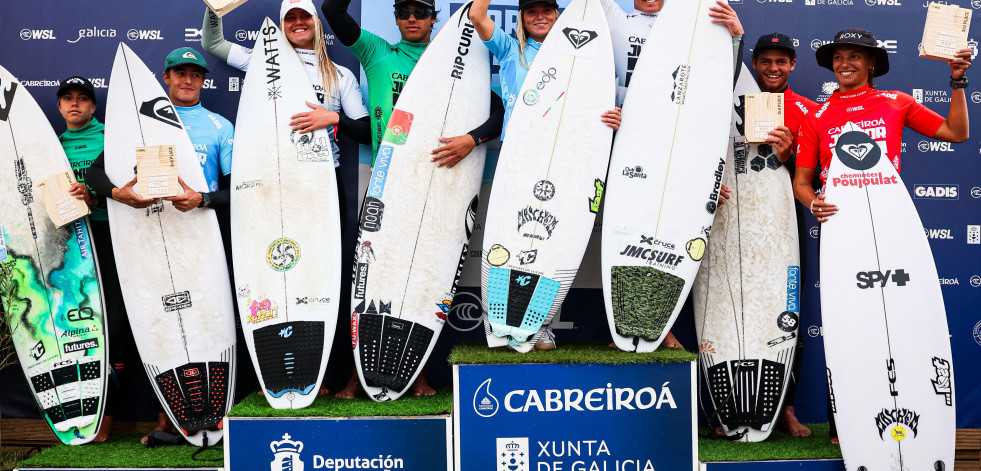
(287, 270)
(746, 294)
(49, 281)
(171, 264)
(417, 218)
(887, 345)
(660, 201)
(549, 178)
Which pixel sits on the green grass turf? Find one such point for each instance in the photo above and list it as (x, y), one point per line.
(124, 451)
(569, 351)
(328, 406)
(779, 446)
(10, 456)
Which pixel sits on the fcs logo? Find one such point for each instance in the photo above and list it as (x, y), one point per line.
(934, 146)
(29, 34)
(144, 34)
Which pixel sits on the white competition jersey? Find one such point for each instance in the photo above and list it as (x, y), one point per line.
(628, 31)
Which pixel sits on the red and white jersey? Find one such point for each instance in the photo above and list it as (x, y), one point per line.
(882, 114)
(796, 108)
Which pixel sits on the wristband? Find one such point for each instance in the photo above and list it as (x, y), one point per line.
(958, 84)
(475, 140)
(205, 200)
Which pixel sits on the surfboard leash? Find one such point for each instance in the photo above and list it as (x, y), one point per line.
(205, 446)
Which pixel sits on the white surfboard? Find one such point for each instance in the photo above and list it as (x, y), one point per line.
(665, 173)
(549, 178)
(286, 238)
(49, 279)
(416, 218)
(172, 268)
(886, 341)
(747, 290)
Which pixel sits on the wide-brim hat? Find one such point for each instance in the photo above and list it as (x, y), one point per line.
(854, 37)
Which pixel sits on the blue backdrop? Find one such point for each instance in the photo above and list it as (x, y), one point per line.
(44, 41)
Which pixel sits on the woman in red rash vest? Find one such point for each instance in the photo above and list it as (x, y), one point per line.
(855, 58)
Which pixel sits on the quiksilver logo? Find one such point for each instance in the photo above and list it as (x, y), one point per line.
(161, 110)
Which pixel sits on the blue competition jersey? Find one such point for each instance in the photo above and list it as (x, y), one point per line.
(213, 137)
(505, 49)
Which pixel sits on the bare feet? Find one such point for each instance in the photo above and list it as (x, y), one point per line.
(612, 345)
(834, 441)
(671, 342)
(104, 427)
(421, 387)
(163, 424)
(790, 424)
(323, 389)
(352, 389)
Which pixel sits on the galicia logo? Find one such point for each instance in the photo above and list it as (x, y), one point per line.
(29, 34)
(144, 34)
(484, 403)
(974, 234)
(94, 33)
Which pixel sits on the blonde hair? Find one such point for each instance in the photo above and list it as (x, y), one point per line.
(328, 72)
(522, 37)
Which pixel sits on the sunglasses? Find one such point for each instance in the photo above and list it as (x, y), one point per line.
(420, 13)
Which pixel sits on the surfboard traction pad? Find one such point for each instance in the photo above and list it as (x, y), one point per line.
(289, 356)
(518, 302)
(752, 389)
(196, 394)
(69, 394)
(643, 300)
(390, 349)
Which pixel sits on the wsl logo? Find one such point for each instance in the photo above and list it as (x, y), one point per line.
(286, 454)
(484, 403)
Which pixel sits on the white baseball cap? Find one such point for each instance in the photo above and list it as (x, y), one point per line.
(305, 5)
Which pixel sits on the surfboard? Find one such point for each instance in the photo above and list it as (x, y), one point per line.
(287, 264)
(417, 218)
(172, 268)
(49, 279)
(886, 341)
(549, 178)
(665, 174)
(746, 293)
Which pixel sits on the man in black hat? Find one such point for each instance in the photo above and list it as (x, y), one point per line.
(774, 58)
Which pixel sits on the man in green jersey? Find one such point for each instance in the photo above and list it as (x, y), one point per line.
(83, 144)
(387, 67)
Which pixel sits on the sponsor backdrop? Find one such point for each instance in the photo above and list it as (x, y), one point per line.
(46, 40)
(628, 407)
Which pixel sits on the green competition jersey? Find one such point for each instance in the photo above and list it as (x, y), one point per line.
(387, 67)
(83, 146)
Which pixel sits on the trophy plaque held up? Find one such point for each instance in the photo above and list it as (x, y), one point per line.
(156, 171)
(222, 7)
(764, 112)
(60, 205)
(945, 31)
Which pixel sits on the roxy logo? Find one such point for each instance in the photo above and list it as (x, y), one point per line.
(936, 192)
(579, 38)
(81, 345)
(868, 279)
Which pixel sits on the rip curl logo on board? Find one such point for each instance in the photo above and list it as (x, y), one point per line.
(161, 110)
(286, 454)
(485, 404)
(261, 311)
(283, 254)
(579, 38)
(857, 150)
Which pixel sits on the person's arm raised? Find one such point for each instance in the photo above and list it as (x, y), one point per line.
(483, 23)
